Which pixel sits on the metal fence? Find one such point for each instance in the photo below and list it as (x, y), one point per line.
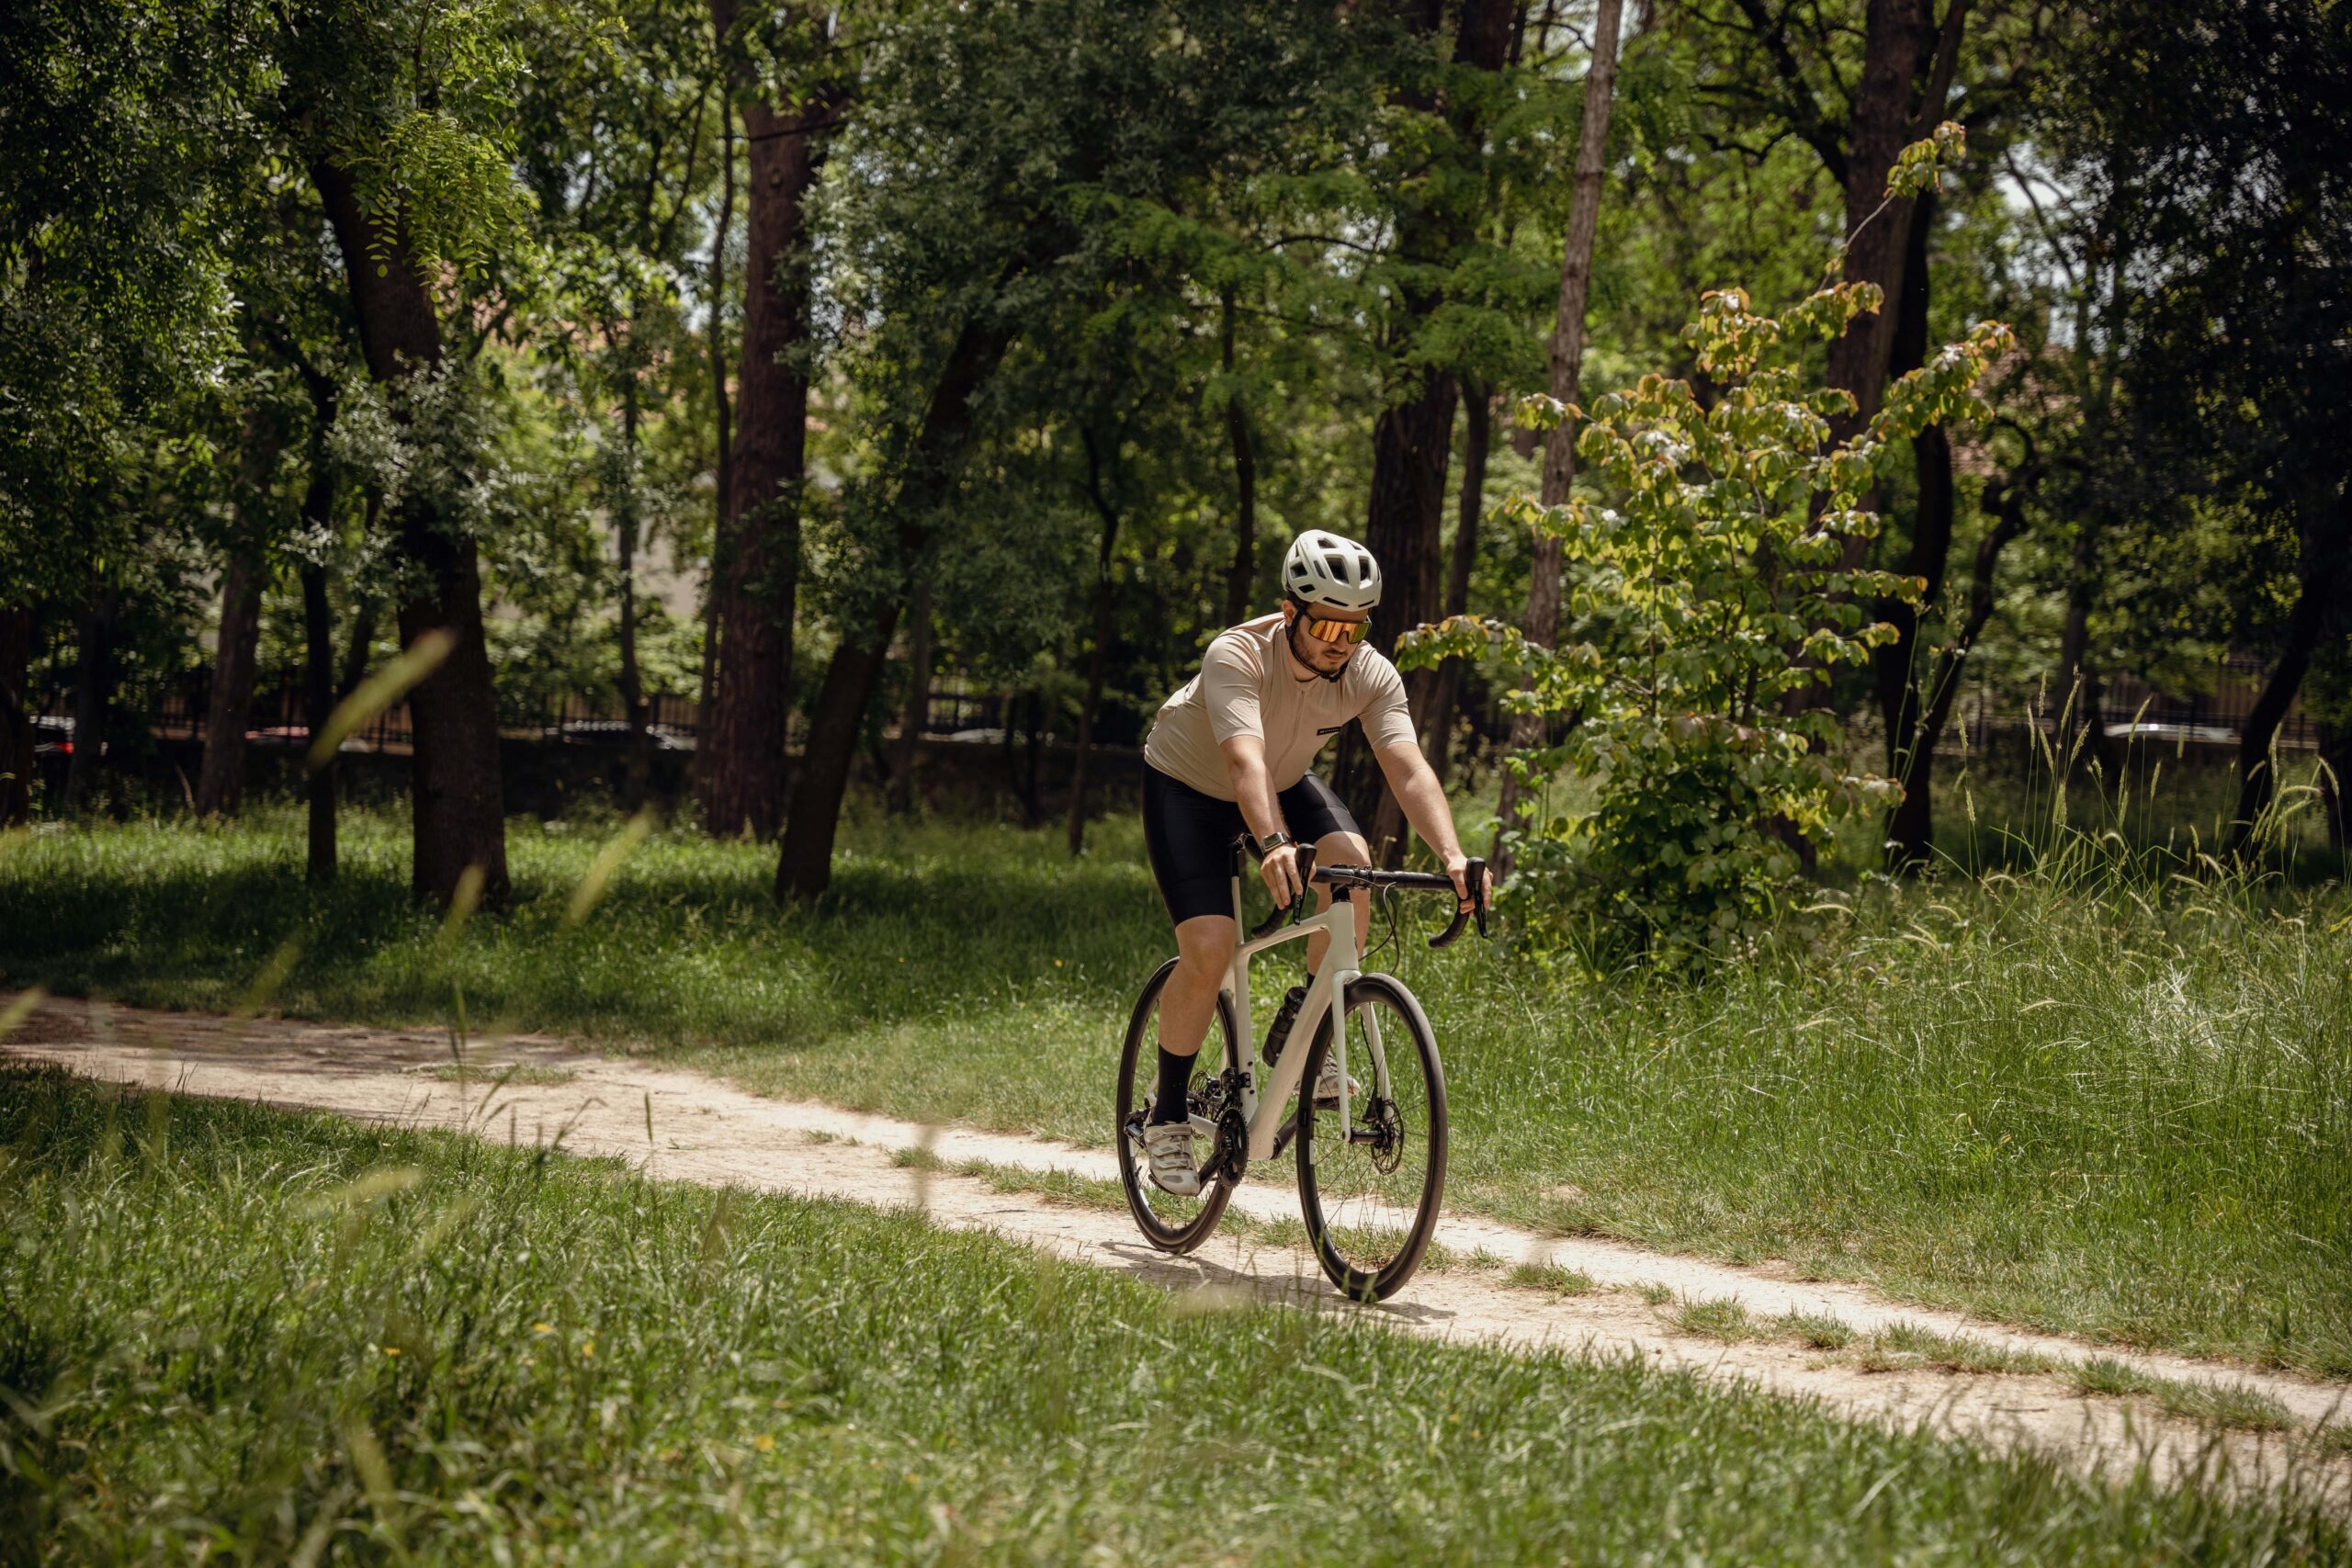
(956, 706)
(2131, 710)
(960, 705)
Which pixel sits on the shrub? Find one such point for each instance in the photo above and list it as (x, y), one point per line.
(1720, 584)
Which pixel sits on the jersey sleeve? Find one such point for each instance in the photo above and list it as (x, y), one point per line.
(1386, 720)
(1229, 690)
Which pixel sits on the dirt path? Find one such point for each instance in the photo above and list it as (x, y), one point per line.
(704, 1131)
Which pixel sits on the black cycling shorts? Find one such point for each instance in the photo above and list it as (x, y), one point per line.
(1189, 837)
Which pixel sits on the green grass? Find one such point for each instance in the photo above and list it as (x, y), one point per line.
(2219, 1404)
(231, 1332)
(1551, 1277)
(1910, 1345)
(1725, 1319)
(519, 1073)
(2107, 1104)
(1816, 1331)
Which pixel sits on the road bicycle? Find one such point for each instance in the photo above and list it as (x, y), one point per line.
(1371, 1167)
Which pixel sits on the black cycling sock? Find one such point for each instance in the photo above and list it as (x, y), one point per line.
(1175, 1081)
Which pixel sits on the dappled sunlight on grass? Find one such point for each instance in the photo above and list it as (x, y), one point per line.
(434, 1349)
(2079, 1099)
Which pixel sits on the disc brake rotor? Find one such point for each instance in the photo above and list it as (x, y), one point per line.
(1387, 1129)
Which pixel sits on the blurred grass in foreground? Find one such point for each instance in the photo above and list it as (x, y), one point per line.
(227, 1330)
(2090, 1096)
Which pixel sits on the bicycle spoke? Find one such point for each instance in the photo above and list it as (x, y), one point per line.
(1371, 1189)
(1170, 1221)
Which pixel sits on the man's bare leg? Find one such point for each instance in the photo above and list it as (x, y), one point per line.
(1203, 952)
(1338, 849)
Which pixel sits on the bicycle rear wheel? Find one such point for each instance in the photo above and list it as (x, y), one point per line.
(1370, 1192)
(1170, 1222)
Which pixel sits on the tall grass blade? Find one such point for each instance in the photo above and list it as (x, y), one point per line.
(380, 691)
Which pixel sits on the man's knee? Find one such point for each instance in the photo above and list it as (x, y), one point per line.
(1341, 849)
(1205, 944)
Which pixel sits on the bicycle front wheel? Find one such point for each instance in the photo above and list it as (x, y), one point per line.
(1170, 1222)
(1370, 1192)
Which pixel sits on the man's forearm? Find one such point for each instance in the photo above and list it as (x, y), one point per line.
(1423, 799)
(1254, 791)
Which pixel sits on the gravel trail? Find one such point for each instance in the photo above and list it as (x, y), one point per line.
(705, 1131)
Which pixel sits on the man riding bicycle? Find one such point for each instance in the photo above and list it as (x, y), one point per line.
(1230, 751)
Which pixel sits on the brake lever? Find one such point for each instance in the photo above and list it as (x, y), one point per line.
(1296, 908)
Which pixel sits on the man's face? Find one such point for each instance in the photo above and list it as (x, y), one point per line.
(1323, 657)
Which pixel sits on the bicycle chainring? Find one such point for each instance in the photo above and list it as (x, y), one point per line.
(1230, 1158)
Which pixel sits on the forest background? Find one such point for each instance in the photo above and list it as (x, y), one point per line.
(801, 361)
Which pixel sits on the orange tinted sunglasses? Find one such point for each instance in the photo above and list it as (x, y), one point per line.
(1338, 631)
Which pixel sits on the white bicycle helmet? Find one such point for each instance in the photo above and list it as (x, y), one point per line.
(1324, 569)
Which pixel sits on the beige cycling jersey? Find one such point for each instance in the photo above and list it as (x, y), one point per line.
(1247, 686)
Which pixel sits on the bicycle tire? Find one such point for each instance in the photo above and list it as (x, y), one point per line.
(1348, 1203)
(1180, 1229)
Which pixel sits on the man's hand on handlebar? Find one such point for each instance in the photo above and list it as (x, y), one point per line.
(1458, 867)
(1280, 870)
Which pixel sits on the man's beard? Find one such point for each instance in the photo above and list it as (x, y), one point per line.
(1291, 631)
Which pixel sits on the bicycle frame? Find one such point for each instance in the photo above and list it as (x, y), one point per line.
(1262, 1111)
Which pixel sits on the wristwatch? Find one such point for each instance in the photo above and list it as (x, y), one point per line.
(1272, 842)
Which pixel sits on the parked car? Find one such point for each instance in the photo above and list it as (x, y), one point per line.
(614, 733)
(2153, 729)
(52, 735)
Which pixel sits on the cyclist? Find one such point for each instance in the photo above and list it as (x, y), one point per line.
(1230, 750)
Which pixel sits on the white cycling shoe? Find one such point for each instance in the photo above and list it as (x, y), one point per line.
(1168, 1148)
(1326, 1085)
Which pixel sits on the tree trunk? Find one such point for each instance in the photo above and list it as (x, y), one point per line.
(1411, 445)
(319, 695)
(1032, 802)
(1910, 760)
(1899, 41)
(2320, 614)
(2336, 764)
(1543, 622)
(757, 564)
(624, 518)
(1477, 440)
(917, 713)
(455, 789)
(1910, 830)
(1412, 440)
(92, 693)
(805, 863)
(318, 701)
(1098, 662)
(1895, 667)
(2079, 689)
(16, 714)
(220, 773)
(724, 416)
(1244, 571)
